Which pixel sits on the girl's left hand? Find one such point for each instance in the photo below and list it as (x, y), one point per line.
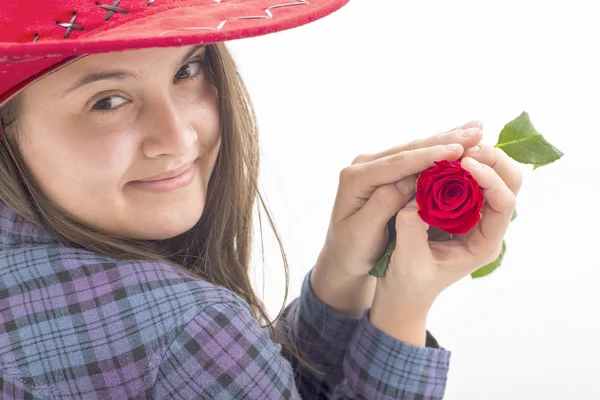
(373, 189)
(421, 269)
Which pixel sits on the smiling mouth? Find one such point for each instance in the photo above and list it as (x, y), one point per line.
(169, 181)
(170, 174)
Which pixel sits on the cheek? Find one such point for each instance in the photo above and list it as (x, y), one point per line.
(209, 114)
(207, 125)
(75, 168)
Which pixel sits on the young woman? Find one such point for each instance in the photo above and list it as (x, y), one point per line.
(128, 174)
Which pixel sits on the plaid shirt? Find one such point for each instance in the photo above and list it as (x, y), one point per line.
(75, 324)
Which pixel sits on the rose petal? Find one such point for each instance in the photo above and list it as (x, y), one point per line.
(444, 209)
(432, 205)
(437, 193)
(423, 192)
(455, 193)
(463, 223)
(429, 219)
(439, 188)
(442, 174)
(448, 214)
(449, 197)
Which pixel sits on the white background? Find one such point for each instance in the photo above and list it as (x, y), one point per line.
(380, 73)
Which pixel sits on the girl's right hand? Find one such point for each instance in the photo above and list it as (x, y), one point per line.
(421, 269)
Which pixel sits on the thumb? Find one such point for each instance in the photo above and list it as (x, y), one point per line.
(384, 203)
(411, 230)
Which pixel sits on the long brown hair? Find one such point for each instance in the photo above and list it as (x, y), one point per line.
(218, 248)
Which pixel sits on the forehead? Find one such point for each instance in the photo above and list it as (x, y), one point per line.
(155, 54)
(139, 63)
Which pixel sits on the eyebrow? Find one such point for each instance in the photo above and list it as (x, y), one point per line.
(120, 75)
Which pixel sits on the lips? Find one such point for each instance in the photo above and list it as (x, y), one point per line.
(169, 181)
(170, 174)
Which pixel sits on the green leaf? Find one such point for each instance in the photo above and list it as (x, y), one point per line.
(488, 269)
(524, 144)
(521, 142)
(379, 269)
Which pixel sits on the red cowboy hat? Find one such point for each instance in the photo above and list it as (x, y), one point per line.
(39, 37)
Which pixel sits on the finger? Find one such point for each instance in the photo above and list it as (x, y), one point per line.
(411, 231)
(500, 162)
(497, 211)
(384, 203)
(471, 124)
(361, 180)
(468, 135)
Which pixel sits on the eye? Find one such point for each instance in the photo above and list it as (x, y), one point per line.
(190, 70)
(109, 103)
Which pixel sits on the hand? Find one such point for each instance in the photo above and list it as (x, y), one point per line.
(370, 192)
(421, 269)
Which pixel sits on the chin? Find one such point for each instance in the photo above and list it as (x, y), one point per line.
(164, 216)
(166, 232)
(171, 227)
(167, 224)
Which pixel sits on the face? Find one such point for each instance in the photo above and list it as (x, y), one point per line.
(125, 142)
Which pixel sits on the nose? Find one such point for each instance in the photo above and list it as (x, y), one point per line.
(170, 132)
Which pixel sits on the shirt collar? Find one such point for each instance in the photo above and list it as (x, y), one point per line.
(16, 230)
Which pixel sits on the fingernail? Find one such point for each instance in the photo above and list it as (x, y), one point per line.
(474, 122)
(453, 147)
(467, 133)
(473, 149)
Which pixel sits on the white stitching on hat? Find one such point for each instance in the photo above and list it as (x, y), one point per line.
(112, 9)
(24, 60)
(56, 68)
(71, 25)
(267, 11)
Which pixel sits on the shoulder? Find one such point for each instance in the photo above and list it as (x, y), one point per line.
(61, 267)
(129, 312)
(159, 295)
(223, 352)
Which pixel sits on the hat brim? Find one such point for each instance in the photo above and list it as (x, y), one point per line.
(196, 22)
(165, 24)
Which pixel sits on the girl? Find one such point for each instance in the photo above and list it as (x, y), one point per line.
(128, 172)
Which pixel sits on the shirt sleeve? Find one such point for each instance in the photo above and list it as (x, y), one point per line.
(223, 353)
(321, 335)
(358, 359)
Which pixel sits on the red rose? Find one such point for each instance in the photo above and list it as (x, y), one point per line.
(449, 197)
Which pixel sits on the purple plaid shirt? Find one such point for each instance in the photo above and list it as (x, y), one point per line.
(77, 325)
